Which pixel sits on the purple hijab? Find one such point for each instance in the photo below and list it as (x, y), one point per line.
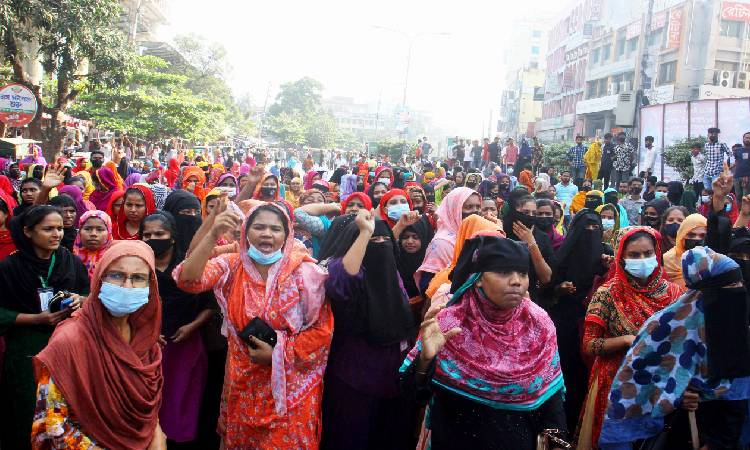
(132, 179)
(224, 177)
(75, 193)
(106, 178)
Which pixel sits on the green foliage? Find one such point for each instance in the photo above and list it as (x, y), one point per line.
(153, 104)
(349, 141)
(556, 155)
(297, 116)
(678, 155)
(392, 148)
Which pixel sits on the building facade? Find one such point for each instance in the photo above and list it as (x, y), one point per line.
(525, 62)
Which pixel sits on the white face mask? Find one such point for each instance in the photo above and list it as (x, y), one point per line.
(385, 180)
(705, 198)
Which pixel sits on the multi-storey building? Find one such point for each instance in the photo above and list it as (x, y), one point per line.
(567, 59)
(525, 61)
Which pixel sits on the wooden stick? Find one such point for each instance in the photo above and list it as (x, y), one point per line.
(694, 431)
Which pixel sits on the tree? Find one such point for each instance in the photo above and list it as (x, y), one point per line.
(298, 97)
(80, 47)
(321, 131)
(153, 104)
(287, 128)
(678, 155)
(556, 155)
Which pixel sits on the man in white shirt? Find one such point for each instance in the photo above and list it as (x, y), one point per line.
(699, 167)
(650, 156)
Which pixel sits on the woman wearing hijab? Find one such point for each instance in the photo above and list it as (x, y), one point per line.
(105, 354)
(394, 204)
(348, 185)
(690, 234)
(469, 227)
(7, 203)
(489, 359)
(706, 331)
(579, 260)
(310, 177)
(194, 181)
(68, 207)
(312, 221)
(355, 202)
(106, 185)
(675, 189)
(545, 221)
(617, 310)
(611, 196)
(412, 243)
(88, 185)
(652, 213)
(376, 191)
(132, 179)
(115, 204)
(138, 203)
(519, 225)
(272, 387)
(610, 216)
(172, 173)
(292, 195)
(458, 205)
(185, 209)
(269, 189)
(75, 193)
(228, 180)
(376, 324)
(94, 238)
(39, 268)
(184, 360)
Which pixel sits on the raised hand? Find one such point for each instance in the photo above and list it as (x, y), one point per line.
(365, 221)
(54, 176)
(409, 218)
(226, 219)
(433, 339)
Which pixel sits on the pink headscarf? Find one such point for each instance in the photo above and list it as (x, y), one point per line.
(440, 252)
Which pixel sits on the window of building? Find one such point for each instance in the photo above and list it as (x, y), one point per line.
(595, 56)
(591, 89)
(534, 49)
(620, 46)
(602, 87)
(654, 38)
(632, 45)
(730, 28)
(605, 52)
(667, 72)
(536, 34)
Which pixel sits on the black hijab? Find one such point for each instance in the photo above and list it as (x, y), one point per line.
(674, 192)
(337, 174)
(580, 255)
(371, 193)
(408, 263)
(660, 205)
(21, 273)
(383, 316)
(69, 234)
(187, 226)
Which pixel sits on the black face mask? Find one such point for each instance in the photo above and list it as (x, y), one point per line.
(635, 191)
(545, 223)
(526, 219)
(268, 192)
(652, 222)
(670, 230)
(586, 188)
(592, 203)
(14, 173)
(471, 184)
(692, 243)
(159, 246)
(97, 163)
(610, 198)
(503, 186)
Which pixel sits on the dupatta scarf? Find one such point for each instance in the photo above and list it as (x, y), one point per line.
(120, 229)
(90, 258)
(113, 388)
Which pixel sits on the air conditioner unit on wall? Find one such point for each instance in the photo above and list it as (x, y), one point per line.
(726, 78)
(625, 112)
(743, 80)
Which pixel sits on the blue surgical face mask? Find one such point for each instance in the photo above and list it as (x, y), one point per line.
(264, 259)
(641, 268)
(608, 224)
(121, 301)
(658, 194)
(396, 211)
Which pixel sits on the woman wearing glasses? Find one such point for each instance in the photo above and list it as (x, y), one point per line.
(29, 277)
(100, 377)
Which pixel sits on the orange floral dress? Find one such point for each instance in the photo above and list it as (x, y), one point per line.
(276, 406)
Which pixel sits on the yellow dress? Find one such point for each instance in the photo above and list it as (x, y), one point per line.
(593, 159)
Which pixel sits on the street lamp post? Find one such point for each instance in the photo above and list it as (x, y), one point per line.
(410, 39)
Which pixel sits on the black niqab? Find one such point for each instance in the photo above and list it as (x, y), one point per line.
(408, 263)
(187, 226)
(580, 255)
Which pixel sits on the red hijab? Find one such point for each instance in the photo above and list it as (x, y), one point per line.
(173, 171)
(6, 241)
(384, 201)
(119, 230)
(364, 198)
(113, 388)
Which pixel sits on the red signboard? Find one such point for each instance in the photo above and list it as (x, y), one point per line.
(674, 34)
(738, 12)
(658, 20)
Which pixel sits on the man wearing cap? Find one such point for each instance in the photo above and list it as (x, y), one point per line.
(714, 152)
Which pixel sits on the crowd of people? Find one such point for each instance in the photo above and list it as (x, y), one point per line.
(207, 301)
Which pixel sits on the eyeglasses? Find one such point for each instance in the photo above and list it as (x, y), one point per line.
(136, 280)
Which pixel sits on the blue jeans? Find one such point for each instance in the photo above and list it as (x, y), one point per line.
(578, 172)
(708, 181)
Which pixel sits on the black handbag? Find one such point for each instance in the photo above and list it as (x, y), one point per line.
(260, 330)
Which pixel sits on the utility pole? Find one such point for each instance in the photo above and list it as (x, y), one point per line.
(136, 18)
(263, 116)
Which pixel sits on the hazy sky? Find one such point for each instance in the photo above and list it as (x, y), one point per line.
(457, 77)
